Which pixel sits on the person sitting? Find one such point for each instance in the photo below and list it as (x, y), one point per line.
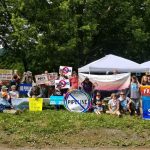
(35, 91)
(4, 99)
(124, 102)
(13, 93)
(113, 105)
(99, 104)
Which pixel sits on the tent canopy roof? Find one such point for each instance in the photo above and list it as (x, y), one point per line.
(111, 63)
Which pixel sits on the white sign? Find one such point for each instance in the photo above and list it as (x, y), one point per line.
(52, 77)
(65, 70)
(65, 84)
(41, 79)
(77, 101)
(5, 74)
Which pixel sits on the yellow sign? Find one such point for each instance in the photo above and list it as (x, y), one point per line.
(35, 104)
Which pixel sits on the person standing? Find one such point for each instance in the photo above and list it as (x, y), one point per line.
(87, 86)
(135, 94)
(74, 81)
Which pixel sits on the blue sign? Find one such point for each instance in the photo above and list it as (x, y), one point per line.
(56, 100)
(24, 88)
(146, 107)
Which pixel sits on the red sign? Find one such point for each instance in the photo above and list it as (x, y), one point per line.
(145, 90)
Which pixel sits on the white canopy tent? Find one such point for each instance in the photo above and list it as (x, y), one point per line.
(146, 65)
(110, 63)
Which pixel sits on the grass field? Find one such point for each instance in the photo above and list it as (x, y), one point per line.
(51, 128)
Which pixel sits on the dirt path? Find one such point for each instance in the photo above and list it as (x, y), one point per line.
(2, 147)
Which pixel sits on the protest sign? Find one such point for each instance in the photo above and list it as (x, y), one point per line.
(35, 104)
(56, 100)
(66, 70)
(145, 92)
(20, 103)
(65, 84)
(24, 88)
(107, 82)
(77, 101)
(5, 74)
(51, 78)
(41, 79)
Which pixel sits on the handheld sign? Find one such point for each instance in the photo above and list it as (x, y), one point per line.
(66, 70)
(65, 84)
(77, 101)
(24, 88)
(5, 74)
(41, 79)
(35, 104)
(145, 92)
(52, 77)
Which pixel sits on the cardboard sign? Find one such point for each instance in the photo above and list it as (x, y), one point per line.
(77, 101)
(65, 84)
(66, 70)
(51, 78)
(24, 88)
(5, 74)
(56, 100)
(35, 104)
(41, 79)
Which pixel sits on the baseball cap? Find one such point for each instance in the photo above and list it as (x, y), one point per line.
(4, 87)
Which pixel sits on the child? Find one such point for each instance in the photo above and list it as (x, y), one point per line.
(124, 102)
(99, 103)
(113, 105)
(13, 93)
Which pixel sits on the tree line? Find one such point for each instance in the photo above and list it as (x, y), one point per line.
(41, 35)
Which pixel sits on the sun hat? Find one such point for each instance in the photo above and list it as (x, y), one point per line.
(4, 87)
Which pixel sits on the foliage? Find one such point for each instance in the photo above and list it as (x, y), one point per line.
(42, 35)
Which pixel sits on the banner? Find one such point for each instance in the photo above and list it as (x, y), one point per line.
(107, 82)
(51, 78)
(56, 100)
(66, 70)
(41, 79)
(5, 74)
(65, 84)
(20, 103)
(35, 104)
(145, 92)
(24, 88)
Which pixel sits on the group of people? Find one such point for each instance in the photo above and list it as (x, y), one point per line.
(118, 104)
(10, 90)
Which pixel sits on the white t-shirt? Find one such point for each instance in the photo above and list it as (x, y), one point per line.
(14, 94)
(113, 104)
